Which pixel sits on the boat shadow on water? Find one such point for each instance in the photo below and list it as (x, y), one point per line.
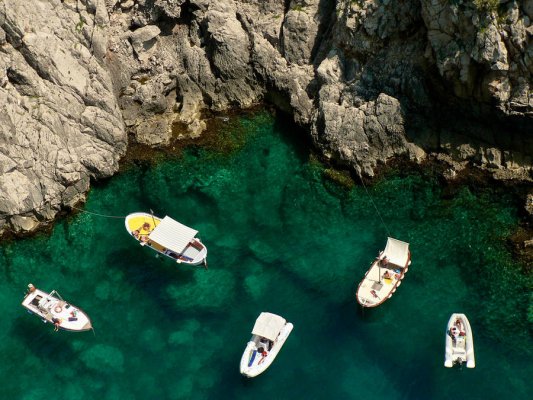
(41, 340)
(151, 273)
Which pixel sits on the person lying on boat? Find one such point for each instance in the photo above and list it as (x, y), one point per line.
(386, 275)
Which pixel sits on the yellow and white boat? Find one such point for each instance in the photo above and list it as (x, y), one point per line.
(167, 237)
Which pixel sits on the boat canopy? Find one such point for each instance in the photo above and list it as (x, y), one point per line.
(172, 235)
(268, 325)
(397, 252)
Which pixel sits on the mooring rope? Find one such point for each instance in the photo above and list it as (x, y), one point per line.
(374, 204)
(100, 215)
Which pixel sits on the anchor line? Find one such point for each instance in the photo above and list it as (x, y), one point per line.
(374, 204)
(99, 215)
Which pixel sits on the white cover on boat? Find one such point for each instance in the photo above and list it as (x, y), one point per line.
(268, 325)
(397, 252)
(172, 235)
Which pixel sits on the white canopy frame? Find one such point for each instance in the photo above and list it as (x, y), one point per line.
(268, 325)
(397, 252)
(173, 235)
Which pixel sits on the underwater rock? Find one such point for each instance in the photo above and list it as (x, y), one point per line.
(101, 356)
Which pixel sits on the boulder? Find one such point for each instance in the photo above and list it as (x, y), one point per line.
(143, 41)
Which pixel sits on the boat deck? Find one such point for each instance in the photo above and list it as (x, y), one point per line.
(137, 223)
(51, 308)
(373, 290)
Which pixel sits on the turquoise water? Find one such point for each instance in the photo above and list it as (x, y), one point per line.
(281, 238)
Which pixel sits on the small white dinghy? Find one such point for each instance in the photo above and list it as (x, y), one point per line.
(385, 274)
(269, 334)
(52, 308)
(168, 237)
(459, 342)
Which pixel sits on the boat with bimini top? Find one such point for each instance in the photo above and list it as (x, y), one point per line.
(52, 308)
(459, 342)
(168, 237)
(385, 274)
(268, 337)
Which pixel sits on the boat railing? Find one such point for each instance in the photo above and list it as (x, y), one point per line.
(54, 293)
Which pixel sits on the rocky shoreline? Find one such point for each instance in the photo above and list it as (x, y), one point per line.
(370, 81)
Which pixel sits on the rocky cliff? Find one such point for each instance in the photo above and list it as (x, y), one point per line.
(369, 79)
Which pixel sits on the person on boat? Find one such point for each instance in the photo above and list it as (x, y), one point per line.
(135, 234)
(265, 344)
(459, 326)
(144, 238)
(57, 323)
(31, 288)
(384, 261)
(454, 332)
(386, 275)
(263, 352)
(146, 226)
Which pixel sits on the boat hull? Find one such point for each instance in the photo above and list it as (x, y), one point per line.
(459, 343)
(252, 363)
(196, 254)
(51, 308)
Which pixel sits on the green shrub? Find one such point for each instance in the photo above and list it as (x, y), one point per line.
(486, 5)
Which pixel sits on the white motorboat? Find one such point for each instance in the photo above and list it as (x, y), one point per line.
(50, 307)
(268, 336)
(168, 237)
(459, 342)
(385, 274)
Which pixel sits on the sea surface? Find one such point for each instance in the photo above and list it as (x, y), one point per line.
(282, 237)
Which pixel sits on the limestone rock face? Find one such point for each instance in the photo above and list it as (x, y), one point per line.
(60, 123)
(483, 52)
(370, 80)
(339, 67)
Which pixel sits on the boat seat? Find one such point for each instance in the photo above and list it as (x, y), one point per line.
(196, 245)
(459, 352)
(36, 300)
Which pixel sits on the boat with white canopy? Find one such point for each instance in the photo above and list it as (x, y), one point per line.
(168, 237)
(459, 342)
(268, 337)
(50, 307)
(385, 274)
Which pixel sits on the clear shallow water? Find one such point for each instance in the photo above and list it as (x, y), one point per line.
(284, 239)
